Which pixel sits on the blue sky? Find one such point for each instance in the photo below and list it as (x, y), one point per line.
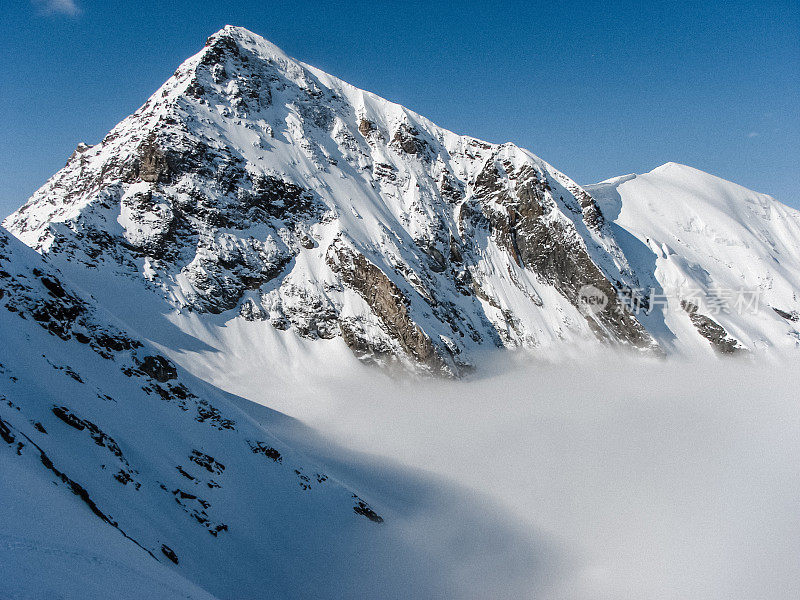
(597, 89)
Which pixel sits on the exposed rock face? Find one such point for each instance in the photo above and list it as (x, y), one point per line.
(521, 215)
(408, 140)
(387, 302)
(152, 163)
(793, 316)
(365, 127)
(712, 331)
(235, 186)
(159, 368)
(169, 553)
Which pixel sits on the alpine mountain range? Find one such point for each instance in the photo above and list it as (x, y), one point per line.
(259, 215)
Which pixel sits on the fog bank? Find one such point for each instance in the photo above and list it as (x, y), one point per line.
(660, 480)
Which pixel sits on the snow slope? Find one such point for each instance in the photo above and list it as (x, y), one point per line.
(686, 231)
(124, 474)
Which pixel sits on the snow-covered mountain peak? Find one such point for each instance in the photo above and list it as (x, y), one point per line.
(672, 165)
(696, 233)
(246, 38)
(254, 233)
(251, 184)
(263, 190)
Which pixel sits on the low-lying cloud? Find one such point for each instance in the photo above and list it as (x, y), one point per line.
(657, 480)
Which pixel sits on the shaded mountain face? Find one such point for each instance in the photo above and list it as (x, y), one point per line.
(165, 463)
(254, 186)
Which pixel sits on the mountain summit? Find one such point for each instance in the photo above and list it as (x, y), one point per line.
(260, 189)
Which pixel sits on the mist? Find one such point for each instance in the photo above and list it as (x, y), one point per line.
(642, 479)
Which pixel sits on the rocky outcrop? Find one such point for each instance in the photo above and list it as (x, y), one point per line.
(152, 162)
(792, 316)
(159, 368)
(365, 127)
(387, 302)
(520, 213)
(409, 140)
(715, 333)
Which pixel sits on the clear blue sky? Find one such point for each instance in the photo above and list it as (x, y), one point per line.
(596, 88)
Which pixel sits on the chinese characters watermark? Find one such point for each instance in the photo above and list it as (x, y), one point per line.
(712, 301)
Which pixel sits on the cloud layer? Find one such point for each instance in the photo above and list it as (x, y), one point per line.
(659, 480)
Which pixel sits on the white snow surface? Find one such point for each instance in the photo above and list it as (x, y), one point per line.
(682, 229)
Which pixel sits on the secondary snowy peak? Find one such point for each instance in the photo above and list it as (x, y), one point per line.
(253, 186)
(686, 232)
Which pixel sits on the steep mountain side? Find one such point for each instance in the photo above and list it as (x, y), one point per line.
(122, 473)
(256, 187)
(165, 460)
(722, 260)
